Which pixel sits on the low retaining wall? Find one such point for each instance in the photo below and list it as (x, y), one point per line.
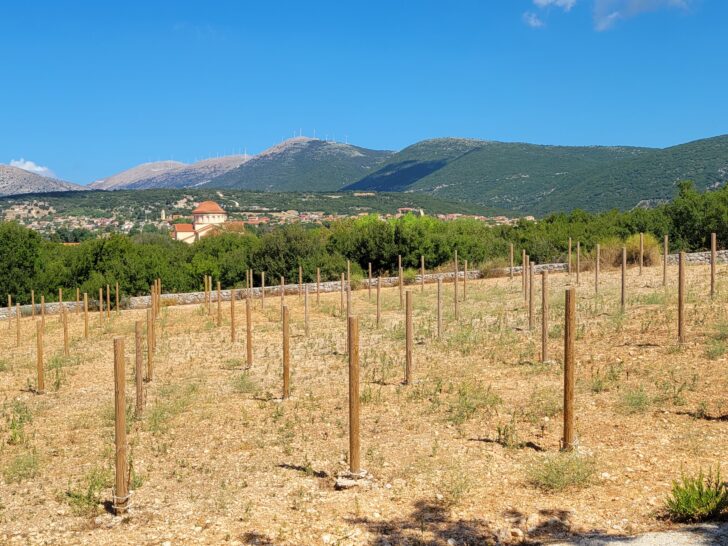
(191, 298)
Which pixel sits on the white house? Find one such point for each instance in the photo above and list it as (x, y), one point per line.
(205, 218)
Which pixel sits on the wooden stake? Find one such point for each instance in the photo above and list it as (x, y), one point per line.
(681, 299)
(713, 252)
(219, 305)
(318, 285)
(510, 261)
(39, 357)
(348, 271)
(642, 251)
(408, 339)
(523, 272)
(354, 447)
(150, 345)
(422, 274)
(624, 279)
(597, 261)
(248, 332)
(379, 303)
(544, 315)
(286, 356)
(42, 309)
(64, 314)
(233, 335)
(305, 309)
(85, 315)
(439, 307)
(568, 263)
(341, 292)
(569, 376)
(32, 304)
(370, 282)
(121, 485)
(526, 277)
(578, 261)
(138, 361)
(531, 300)
(401, 281)
(283, 292)
(664, 260)
(457, 282)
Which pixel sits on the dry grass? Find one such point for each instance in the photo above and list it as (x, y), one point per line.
(474, 440)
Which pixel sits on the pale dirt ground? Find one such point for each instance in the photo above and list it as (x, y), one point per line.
(221, 466)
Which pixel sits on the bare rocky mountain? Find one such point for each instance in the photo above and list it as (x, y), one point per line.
(170, 174)
(14, 181)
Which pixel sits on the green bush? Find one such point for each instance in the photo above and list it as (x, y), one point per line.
(697, 498)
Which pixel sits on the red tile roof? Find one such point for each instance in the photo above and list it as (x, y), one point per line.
(208, 207)
(184, 228)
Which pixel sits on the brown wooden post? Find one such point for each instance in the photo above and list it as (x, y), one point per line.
(262, 289)
(664, 260)
(439, 307)
(597, 263)
(17, 324)
(64, 314)
(247, 279)
(681, 299)
(39, 358)
(138, 361)
(510, 261)
(348, 271)
(101, 307)
(78, 300)
(248, 333)
(531, 299)
(526, 277)
(150, 345)
(713, 249)
(118, 309)
(379, 303)
(568, 263)
(233, 334)
(569, 375)
(523, 272)
(422, 273)
(318, 285)
(465, 278)
(219, 305)
(544, 315)
(85, 315)
(455, 285)
(286, 356)
(349, 307)
(283, 292)
(354, 447)
(408, 339)
(624, 279)
(370, 282)
(342, 289)
(32, 304)
(401, 281)
(305, 309)
(42, 309)
(121, 484)
(300, 281)
(578, 261)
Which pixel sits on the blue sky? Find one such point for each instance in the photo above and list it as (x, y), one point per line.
(90, 88)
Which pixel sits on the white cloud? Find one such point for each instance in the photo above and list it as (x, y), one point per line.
(566, 5)
(31, 166)
(608, 12)
(532, 20)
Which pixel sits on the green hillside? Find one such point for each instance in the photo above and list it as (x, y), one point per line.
(536, 179)
(303, 164)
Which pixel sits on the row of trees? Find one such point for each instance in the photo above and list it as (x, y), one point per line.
(31, 262)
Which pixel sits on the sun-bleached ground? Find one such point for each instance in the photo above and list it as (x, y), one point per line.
(218, 458)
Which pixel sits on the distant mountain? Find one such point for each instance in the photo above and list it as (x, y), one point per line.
(170, 174)
(303, 164)
(15, 181)
(537, 179)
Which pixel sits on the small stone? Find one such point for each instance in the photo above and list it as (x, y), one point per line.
(516, 534)
(326, 538)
